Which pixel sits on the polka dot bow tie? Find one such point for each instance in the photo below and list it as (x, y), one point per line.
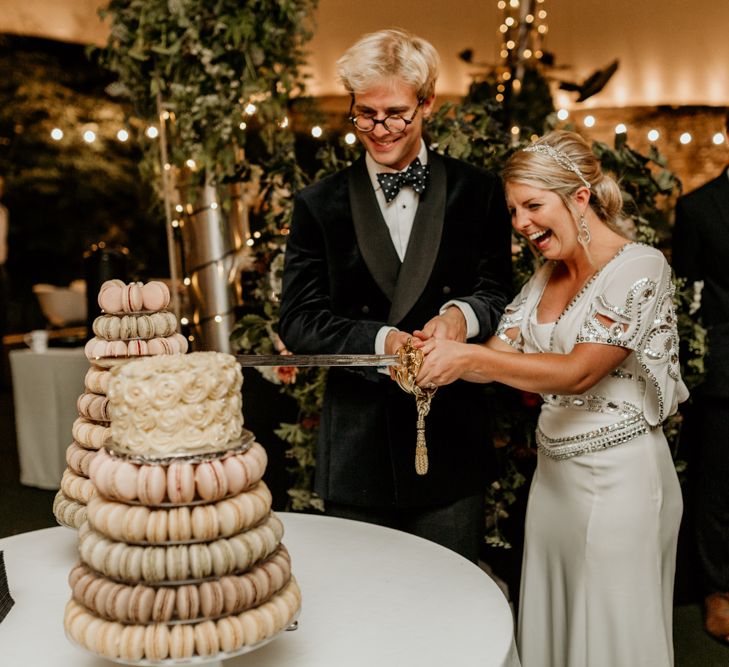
(416, 176)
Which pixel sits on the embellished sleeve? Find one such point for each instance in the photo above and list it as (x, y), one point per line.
(633, 308)
(514, 314)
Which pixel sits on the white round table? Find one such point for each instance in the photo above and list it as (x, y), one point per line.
(372, 597)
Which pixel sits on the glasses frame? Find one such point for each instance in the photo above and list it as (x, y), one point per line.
(383, 121)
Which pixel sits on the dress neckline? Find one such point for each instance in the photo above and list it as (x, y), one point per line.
(577, 295)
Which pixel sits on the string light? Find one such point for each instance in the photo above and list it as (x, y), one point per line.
(214, 205)
(256, 235)
(316, 131)
(175, 223)
(56, 134)
(243, 125)
(190, 163)
(515, 130)
(653, 135)
(218, 319)
(250, 108)
(179, 208)
(718, 139)
(284, 123)
(563, 114)
(152, 132)
(589, 121)
(184, 321)
(89, 136)
(349, 138)
(685, 138)
(620, 128)
(250, 243)
(186, 280)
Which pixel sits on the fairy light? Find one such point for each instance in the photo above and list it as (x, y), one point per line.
(515, 130)
(349, 138)
(653, 135)
(510, 21)
(56, 134)
(152, 132)
(563, 114)
(718, 139)
(187, 280)
(175, 223)
(620, 128)
(527, 53)
(214, 205)
(179, 208)
(256, 235)
(167, 166)
(685, 138)
(89, 136)
(190, 163)
(122, 135)
(218, 319)
(589, 121)
(250, 108)
(243, 125)
(250, 243)
(165, 115)
(503, 28)
(284, 123)
(184, 321)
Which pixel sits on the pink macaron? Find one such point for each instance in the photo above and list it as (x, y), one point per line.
(155, 295)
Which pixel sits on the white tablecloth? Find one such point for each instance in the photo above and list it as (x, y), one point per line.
(45, 389)
(372, 597)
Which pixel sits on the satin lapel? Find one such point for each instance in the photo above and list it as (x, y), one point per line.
(373, 237)
(423, 244)
(720, 195)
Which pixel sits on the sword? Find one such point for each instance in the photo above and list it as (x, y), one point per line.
(407, 364)
(249, 360)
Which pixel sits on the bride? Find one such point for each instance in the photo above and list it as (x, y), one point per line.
(594, 332)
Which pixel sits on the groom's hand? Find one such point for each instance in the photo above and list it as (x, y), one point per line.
(451, 325)
(395, 340)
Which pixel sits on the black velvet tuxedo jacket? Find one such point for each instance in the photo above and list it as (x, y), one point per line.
(343, 281)
(701, 252)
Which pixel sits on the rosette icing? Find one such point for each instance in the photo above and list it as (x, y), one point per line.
(176, 404)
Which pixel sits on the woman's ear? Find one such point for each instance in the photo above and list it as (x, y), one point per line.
(581, 197)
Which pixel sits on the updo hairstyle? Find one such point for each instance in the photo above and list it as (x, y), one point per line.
(570, 165)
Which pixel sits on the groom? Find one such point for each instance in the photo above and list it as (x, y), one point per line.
(403, 239)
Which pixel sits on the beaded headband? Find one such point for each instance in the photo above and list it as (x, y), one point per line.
(560, 158)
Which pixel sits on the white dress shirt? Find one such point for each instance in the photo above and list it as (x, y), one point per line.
(399, 215)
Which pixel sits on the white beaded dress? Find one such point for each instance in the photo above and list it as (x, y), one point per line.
(605, 503)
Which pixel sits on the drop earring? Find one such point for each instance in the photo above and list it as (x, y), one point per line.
(583, 236)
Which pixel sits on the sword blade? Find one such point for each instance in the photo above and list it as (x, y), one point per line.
(249, 360)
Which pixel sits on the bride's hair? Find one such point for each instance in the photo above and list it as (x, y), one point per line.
(563, 162)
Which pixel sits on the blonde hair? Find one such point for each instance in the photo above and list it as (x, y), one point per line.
(386, 54)
(563, 162)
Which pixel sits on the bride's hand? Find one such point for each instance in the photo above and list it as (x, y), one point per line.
(443, 363)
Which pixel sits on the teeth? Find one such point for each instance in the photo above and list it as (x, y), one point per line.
(536, 235)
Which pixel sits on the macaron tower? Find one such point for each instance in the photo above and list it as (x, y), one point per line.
(181, 557)
(135, 322)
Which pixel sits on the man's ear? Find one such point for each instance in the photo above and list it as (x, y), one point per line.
(428, 106)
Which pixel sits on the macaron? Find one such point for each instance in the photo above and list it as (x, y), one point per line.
(211, 599)
(137, 347)
(141, 601)
(156, 642)
(180, 482)
(124, 480)
(182, 641)
(110, 296)
(151, 484)
(156, 295)
(131, 298)
(210, 480)
(230, 633)
(164, 604)
(145, 328)
(206, 638)
(159, 346)
(188, 602)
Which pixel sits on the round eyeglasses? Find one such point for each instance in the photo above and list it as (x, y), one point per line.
(394, 124)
